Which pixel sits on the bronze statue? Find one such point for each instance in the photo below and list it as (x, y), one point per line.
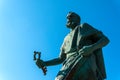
(81, 52)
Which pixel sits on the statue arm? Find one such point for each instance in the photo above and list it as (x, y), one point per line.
(52, 62)
(100, 39)
(41, 64)
(101, 42)
(55, 61)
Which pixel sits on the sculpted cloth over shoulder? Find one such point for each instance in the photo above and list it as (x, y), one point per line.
(85, 68)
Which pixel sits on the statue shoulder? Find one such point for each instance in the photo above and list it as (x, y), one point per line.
(86, 25)
(87, 29)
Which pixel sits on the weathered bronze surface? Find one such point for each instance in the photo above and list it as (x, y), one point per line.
(81, 52)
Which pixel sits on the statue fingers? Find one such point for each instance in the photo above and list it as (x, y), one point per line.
(44, 70)
(39, 63)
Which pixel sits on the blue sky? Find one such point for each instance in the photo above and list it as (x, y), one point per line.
(28, 25)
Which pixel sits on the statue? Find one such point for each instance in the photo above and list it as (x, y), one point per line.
(81, 52)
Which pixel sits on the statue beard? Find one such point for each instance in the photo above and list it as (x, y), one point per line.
(71, 25)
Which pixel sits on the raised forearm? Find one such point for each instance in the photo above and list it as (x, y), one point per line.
(54, 61)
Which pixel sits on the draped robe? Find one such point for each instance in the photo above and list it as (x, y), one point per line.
(93, 68)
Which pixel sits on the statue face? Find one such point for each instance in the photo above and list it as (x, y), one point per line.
(72, 20)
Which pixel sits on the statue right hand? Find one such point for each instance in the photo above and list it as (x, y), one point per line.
(40, 63)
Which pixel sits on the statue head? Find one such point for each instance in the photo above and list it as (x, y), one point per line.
(73, 20)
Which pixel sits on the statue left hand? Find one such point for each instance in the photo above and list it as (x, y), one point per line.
(86, 50)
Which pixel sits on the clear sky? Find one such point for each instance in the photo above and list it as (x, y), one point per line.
(28, 25)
